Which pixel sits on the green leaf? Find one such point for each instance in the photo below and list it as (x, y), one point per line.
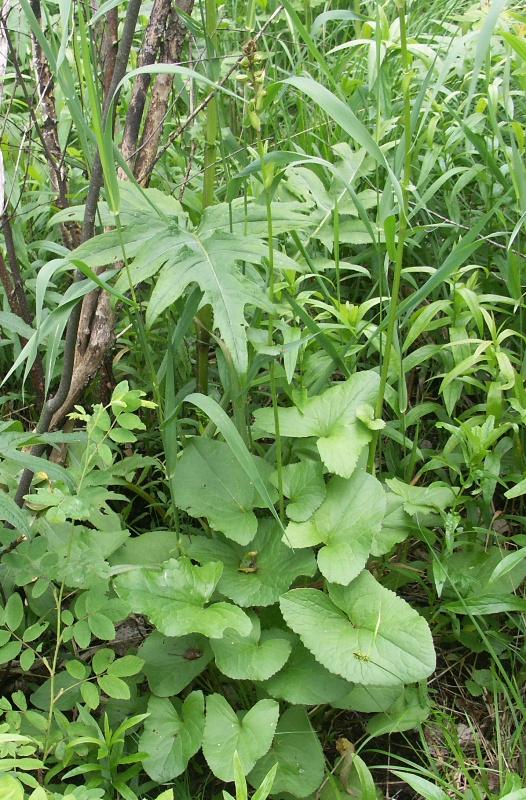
(34, 631)
(421, 785)
(274, 568)
(9, 651)
(114, 687)
(396, 525)
(10, 512)
(236, 444)
(363, 632)
(174, 599)
(370, 699)
(423, 499)
(149, 549)
(122, 436)
(102, 660)
(27, 659)
(508, 563)
(209, 482)
(172, 735)
(298, 755)
(66, 693)
(90, 695)
(345, 523)
(407, 712)
(76, 669)
(210, 259)
(225, 733)
(126, 666)
(303, 483)
(167, 795)
(303, 680)
(11, 788)
(102, 627)
(14, 612)
(170, 664)
(254, 657)
(487, 604)
(331, 418)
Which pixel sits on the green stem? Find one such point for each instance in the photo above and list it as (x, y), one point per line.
(267, 180)
(405, 124)
(205, 315)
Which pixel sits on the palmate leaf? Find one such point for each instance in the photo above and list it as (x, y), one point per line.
(345, 523)
(333, 419)
(174, 599)
(363, 632)
(215, 256)
(212, 260)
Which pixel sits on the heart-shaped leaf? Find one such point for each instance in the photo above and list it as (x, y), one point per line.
(303, 680)
(331, 418)
(396, 525)
(171, 663)
(254, 657)
(346, 522)
(226, 733)
(172, 735)
(174, 599)
(363, 632)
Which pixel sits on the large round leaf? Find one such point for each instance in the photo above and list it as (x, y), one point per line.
(226, 732)
(363, 632)
(209, 482)
(330, 417)
(303, 483)
(171, 663)
(303, 680)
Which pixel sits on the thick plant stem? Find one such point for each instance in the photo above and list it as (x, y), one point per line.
(405, 124)
(204, 316)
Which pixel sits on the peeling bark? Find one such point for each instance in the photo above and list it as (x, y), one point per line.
(152, 40)
(160, 95)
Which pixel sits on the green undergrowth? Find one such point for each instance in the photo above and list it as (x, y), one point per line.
(287, 555)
